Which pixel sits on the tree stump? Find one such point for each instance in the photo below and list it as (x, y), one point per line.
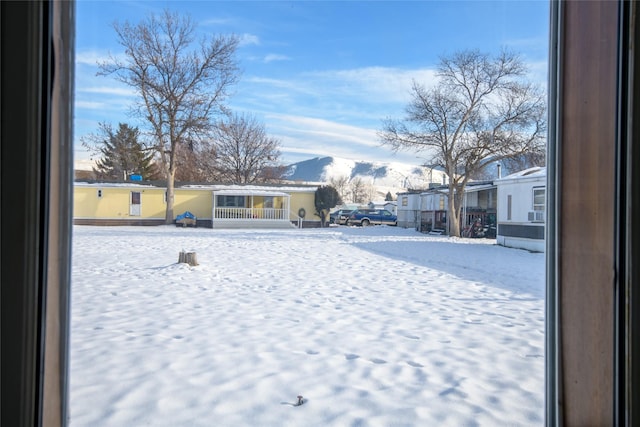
(188, 257)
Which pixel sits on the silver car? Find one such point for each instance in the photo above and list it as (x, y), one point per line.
(340, 216)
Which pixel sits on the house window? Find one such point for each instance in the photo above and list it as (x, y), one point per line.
(268, 202)
(405, 201)
(230, 201)
(509, 207)
(538, 198)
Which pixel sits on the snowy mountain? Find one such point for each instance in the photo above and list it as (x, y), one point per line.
(394, 177)
(380, 177)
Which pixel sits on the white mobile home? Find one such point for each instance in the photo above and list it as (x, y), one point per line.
(521, 209)
(433, 209)
(479, 205)
(408, 209)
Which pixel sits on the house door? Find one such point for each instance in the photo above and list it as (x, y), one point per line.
(134, 205)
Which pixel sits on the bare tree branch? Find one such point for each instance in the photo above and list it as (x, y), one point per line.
(481, 108)
(180, 88)
(245, 153)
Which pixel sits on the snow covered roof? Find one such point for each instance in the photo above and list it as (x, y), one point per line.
(249, 192)
(536, 172)
(114, 184)
(235, 189)
(472, 188)
(246, 189)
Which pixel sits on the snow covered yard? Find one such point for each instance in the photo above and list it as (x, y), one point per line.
(377, 326)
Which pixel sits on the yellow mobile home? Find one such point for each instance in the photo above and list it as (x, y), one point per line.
(215, 206)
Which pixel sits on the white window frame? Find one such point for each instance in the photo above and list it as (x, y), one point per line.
(535, 193)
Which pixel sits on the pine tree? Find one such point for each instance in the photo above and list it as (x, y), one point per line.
(326, 198)
(122, 153)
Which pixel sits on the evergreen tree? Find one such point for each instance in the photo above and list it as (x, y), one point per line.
(122, 153)
(326, 198)
(388, 197)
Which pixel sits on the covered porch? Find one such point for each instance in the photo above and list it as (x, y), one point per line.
(248, 208)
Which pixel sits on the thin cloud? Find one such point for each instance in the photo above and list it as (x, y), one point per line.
(291, 147)
(331, 138)
(326, 128)
(529, 44)
(247, 39)
(216, 22)
(538, 72)
(91, 57)
(370, 86)
(275, 57)
(358, 95)
(264, 84)
(109, 90)
(363, 96)
(377, 83)
(90, 105)
(316, 136)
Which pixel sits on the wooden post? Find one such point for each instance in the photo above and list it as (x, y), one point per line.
(585, 265)
(188, 257)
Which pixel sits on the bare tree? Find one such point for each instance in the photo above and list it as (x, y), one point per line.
(180, 88)
(480, 107)
(244, 151)
(510, 164)
(204, 161)
(191, 161)
(274, 174)
(524, 162)
(341, 184)
(372, 192)
(359, 190)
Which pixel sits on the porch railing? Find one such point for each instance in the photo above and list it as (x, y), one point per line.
(270, 214)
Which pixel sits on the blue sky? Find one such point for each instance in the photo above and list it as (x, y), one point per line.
(321, 75)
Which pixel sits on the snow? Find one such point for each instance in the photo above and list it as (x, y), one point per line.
(397, 177)
(382, 177)
(536, 171)
(220, 188)
(376, 326)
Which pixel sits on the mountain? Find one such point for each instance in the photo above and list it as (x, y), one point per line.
(384, 177)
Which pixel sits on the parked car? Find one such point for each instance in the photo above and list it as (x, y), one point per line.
(340, 216)
(344, 217)
(366, 217)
